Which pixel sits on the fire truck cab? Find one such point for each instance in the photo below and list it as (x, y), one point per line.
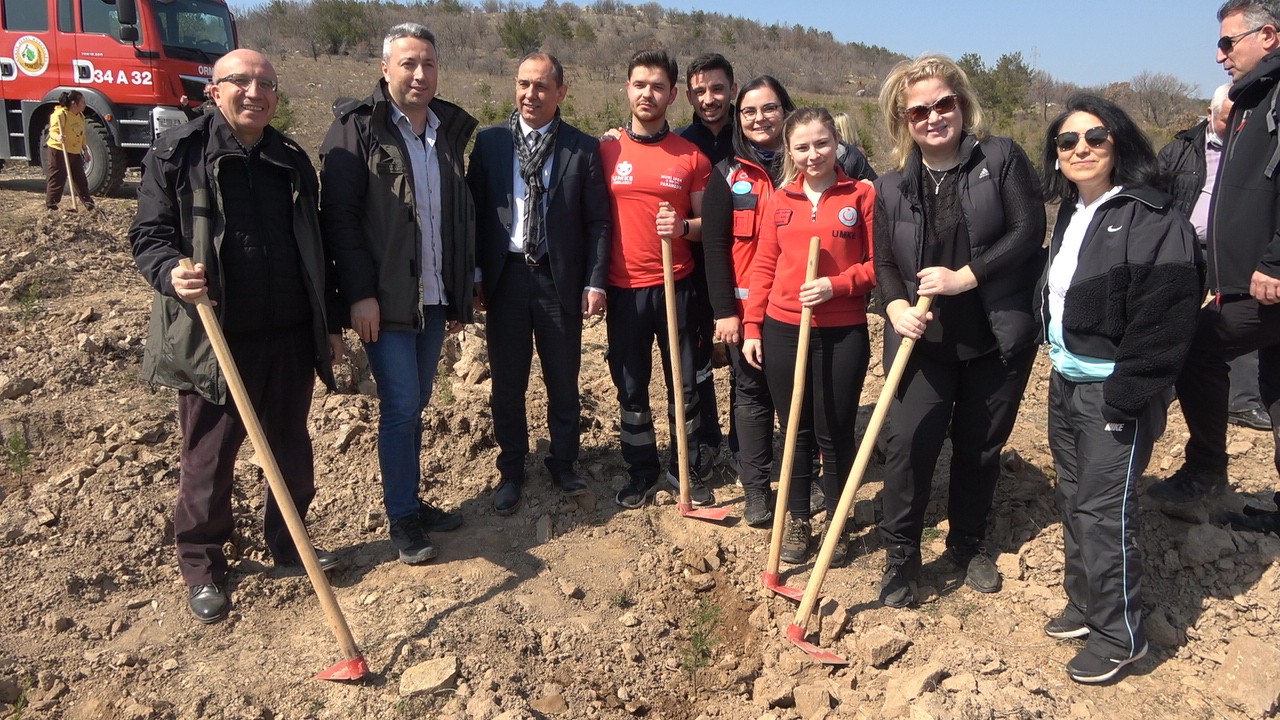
(141, 64)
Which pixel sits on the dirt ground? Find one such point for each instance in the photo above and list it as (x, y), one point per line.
(573, 609)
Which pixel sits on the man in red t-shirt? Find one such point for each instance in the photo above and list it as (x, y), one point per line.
(656, 179)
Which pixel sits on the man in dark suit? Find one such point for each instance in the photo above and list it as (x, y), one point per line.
(542, 250)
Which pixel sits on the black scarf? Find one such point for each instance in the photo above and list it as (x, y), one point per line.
(647, 139)
(531, 161)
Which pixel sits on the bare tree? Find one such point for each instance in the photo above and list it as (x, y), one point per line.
(1161, 96)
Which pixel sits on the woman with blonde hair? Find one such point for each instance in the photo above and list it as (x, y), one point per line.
(814, 198)
(959, 219)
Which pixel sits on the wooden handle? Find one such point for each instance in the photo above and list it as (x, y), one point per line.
(275, 479)
(678, 433)
(793, 415)
(835, 525)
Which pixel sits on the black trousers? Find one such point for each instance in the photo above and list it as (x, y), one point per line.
(753, 414)
(1245, 394)
(1098, 467)
(975, 403)
(636, 317)
(525, 312)
(1225, 332)
(837, 367)
(279, 375)
(703, 324)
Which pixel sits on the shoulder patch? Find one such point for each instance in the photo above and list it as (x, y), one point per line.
(782, 216)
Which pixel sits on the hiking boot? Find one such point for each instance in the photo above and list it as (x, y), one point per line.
(433, 519)
(980, 570)
(411, 541)
(699, 493)
(1086, 667)
(797, 542)
(757, 511)
(840, 554)
(1065, 627)
(637, 492)
(570, 483)
(901, 571)
(1189, 484)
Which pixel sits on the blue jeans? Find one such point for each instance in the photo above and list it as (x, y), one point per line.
(404, 366)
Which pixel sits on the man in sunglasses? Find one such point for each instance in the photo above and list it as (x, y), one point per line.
(1243, 249)
(239, 199)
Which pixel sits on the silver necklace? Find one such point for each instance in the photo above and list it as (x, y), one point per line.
(937, 181)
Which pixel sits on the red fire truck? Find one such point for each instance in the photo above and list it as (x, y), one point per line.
(141, 64)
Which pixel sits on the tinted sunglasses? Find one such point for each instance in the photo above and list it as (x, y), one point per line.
(942, 106)
(1095, 136)
(1227, 43)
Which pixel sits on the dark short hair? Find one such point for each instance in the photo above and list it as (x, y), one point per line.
(655, 59)
(1256, 12)
(705, 62)
(742, 147)
(70, 97)
(1133, 161)
(557, 70)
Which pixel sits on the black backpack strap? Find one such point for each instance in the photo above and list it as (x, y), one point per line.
(1272, 123)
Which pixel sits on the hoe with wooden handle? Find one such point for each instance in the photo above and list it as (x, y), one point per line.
(799, 628)
(770, 578)
(354, 667)
(679, 432)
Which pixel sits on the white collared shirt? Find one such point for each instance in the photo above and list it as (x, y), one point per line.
(519, 190)
(426, 199)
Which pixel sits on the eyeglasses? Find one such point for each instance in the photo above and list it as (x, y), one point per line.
(1227, 43)
(942, 106)
(771, 110)
(243, 81)
(1095, 136)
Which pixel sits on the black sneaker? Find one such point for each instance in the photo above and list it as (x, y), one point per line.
(980, 570)
(1189, 484)
(899, 574)
(637, 492)
(706, 460)
(209, 603)
(1065, 627)
(411, 541)
(757, 510)
(817, 498)
(699, 493)
(1086, 667)
(797, 541)
(433, 519)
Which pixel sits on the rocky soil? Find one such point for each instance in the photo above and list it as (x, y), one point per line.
(568, 609)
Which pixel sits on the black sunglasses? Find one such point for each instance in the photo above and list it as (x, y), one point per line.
(942, 106)
(1095, 136)
(1227, 43)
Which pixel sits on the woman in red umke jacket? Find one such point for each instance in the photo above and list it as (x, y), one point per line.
(816, 198)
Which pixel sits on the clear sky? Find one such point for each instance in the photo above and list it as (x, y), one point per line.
(1088, 42)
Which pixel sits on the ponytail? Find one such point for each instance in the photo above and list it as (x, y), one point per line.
(70, 97)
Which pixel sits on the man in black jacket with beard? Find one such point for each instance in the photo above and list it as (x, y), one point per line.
(1243, 251)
